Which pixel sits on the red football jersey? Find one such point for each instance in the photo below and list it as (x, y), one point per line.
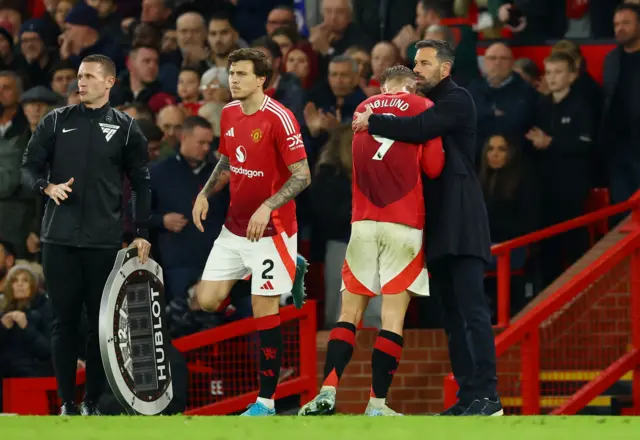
(387, 183)
(260, 147)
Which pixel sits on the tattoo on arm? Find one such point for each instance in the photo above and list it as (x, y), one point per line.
(299, 180)
(219, 178)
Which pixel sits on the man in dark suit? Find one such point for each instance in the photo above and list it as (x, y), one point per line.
(457, 228)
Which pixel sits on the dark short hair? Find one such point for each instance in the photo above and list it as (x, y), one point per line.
(9, 249)
(528, 66)
(562, 57)
(345, 59)
(107, 64)
(150, 130)
(441, 7)
(190, 69)
(143, 110)
(397, 72)
(192, 122)
(444, 52)
(288, 31)
(268, 44)
(137, 47)
(629, 7)
(261, 64)
(220, 16)
(63, 65)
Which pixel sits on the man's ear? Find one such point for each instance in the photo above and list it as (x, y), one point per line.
(111, 81)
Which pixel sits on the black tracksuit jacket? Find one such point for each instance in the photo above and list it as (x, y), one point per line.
(96, 147)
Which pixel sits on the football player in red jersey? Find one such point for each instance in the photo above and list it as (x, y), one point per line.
(384, 255)
(264, 161)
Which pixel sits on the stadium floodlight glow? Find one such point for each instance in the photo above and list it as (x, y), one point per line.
(133, 337)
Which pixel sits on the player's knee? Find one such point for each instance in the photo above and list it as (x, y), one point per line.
(208, 298)
(265, 305)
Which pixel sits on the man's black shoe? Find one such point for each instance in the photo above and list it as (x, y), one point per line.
(455, 410)
(484, 407)
(69, 409)
(89, 409)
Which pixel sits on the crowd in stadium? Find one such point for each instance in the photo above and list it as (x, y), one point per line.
(545, 137)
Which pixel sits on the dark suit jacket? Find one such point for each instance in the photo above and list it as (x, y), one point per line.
(456, 215)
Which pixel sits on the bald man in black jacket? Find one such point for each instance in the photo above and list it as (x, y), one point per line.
(457, 227)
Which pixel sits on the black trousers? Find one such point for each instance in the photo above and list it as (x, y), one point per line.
(75, 277)
(458, 281)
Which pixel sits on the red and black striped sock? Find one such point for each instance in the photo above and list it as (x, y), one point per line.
(339, 351)
(270, 354)
(384, 362)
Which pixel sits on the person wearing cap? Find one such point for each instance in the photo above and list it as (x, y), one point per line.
(81, 37)
(77, 156)
(37, 61)
(37, 102)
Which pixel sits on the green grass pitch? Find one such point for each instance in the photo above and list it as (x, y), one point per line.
(319, 428)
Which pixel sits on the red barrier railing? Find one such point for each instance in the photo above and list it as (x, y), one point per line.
(503, 250)
(520, 349)
(222, 364)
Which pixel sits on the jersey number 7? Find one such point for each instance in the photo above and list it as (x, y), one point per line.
(385, 145)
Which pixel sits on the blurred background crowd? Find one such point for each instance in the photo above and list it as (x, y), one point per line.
(548, 134)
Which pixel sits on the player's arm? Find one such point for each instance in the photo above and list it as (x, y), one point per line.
(38, 153)
(432, 160)
(218, 179)
(439, 120)
(299, 180)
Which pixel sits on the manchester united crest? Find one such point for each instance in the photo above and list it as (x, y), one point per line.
(256, 135)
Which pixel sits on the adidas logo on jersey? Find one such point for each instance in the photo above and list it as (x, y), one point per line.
(109, 130)
(230, 132)
(267, 286)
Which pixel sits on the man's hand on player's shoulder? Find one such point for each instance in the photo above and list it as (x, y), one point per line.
(361, 120)
(200, 210)
(258, 223)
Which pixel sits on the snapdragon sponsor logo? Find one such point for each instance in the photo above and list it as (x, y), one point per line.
(245, 172)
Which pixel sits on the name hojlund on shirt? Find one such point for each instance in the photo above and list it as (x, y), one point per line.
(385, 102)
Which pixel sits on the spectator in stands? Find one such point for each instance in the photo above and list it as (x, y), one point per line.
(7, 56)
(381, 20)
(12, 120)
(36, 103)
(170, 120)
(175, 182)
(584, 84)
(286, 38)
(283, 87)
(192, 40)
(81, 37)
(383, 56)
(531, 20)
(621, 132)
(110, 20)
(25, 327)
(139, 82)
(37, 60)
(504, 101)
(528, 71)
(280, 17)
(562, 138)
(509, 192)
(138, 111)
(189, 91)
(154, 135)
(331, 207)
(333, 103)
(302, 62)
(49, 19)
(62, 74)
(7, 261)
(363, 59)
(223, 39)
(13, 19)
(337, 31)
(157, 12)
(62, 10)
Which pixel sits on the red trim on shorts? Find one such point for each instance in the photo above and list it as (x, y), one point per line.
(389, 347)
(224, 304)
(267, 322)
(404, 279)
(352, 284)
(343, 334)
(281, 246)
